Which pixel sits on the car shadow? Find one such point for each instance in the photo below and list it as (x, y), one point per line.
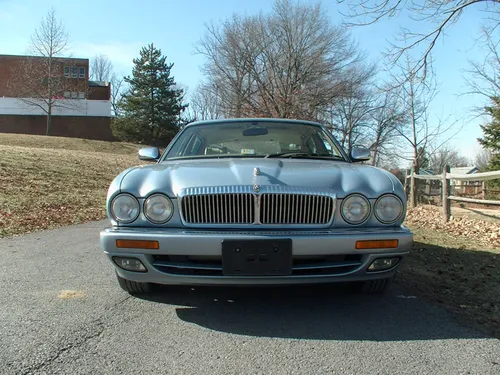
(320, 312)
(481, 213)
(463, 276)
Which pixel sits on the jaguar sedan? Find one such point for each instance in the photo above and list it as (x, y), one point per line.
(255, 202)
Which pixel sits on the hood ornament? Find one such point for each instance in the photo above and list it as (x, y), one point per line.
(256, 171)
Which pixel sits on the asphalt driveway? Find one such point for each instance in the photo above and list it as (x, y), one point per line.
(62, 312)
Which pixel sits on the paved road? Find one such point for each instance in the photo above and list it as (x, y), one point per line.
(102, 330)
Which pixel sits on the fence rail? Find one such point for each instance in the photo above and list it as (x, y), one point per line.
(445, 178)
(483, 176)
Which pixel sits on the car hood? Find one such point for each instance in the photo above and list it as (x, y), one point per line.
(340, 177)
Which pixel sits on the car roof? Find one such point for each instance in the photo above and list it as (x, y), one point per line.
(252, 119)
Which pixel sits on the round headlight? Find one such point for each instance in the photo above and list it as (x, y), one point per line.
(158, 208)
(355, 209)
(125, 208)
(388, 209)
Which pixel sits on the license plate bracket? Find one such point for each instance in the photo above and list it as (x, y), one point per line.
(261, 257)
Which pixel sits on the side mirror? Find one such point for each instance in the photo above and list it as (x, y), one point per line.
(149, 153)
(360, 154)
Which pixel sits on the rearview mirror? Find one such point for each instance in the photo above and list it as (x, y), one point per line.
(149, 153)
(250, 132)
(360, 154)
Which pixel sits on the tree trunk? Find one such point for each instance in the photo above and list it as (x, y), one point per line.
(375, 149)
(49, 120)
(413, 198)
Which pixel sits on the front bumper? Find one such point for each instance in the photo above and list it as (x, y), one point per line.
(176, 243)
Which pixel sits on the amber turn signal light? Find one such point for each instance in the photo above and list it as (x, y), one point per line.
(137, 244)
(377, 244)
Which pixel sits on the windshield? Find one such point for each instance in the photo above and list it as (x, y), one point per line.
(254, 139)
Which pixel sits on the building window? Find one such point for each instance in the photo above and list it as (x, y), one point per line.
(66, 71)
(81, 95)
(67, 94)
(82, 72)
(74, 72)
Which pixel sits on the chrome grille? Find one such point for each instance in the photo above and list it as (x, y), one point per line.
(227, 208)
(284, 208)
(268, 205)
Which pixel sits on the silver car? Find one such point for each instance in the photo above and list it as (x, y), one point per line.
(255, 202)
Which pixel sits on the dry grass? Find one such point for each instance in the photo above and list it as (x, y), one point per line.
(70, 144)
(46, 182)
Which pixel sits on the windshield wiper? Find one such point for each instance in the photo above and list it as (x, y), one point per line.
(302, 155)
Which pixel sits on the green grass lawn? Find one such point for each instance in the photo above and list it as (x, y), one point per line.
(47, 182)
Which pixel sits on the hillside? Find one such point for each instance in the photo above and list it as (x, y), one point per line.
(47, 182)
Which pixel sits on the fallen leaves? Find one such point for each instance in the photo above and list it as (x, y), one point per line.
(430, 217)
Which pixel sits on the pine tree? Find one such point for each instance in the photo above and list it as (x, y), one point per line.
(491, 134)
(151, 109)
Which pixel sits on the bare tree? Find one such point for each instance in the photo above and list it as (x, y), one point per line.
(437, 13)
(389, 121)
(482, 159)
(101, 68)
(39, 80)
(415, 95)
(288, 63)
(443, 156)
(484, 76)
(205, 103)
(116, 83)
(350, 115)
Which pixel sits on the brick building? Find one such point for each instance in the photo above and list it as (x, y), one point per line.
(83, 107)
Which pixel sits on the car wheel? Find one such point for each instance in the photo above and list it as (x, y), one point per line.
(133, 287)
(378, 286)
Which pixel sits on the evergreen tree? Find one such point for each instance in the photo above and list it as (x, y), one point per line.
(491, 142)
(491, 134)
(151, 109)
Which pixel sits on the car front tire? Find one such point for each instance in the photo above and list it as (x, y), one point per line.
(133, 287)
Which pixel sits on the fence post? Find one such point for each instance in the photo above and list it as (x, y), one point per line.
(446, 193)
(412, 188)
(483, 188)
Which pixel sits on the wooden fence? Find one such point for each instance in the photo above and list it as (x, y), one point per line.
(444, 190)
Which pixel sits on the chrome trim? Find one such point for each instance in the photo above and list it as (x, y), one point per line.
(321, 267)
(316, 207)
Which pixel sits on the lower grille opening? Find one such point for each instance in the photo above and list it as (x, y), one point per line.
(212, 265)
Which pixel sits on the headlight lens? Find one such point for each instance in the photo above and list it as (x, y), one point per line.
(125, 208)
(388, 209)
(355, 209)
(158, 208)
